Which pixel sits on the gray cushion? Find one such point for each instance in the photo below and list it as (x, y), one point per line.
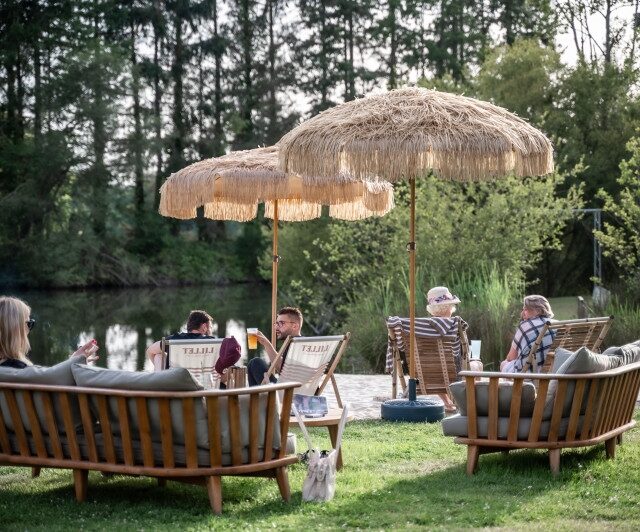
(175, 379)
(560, 357)
(628, 354)
(582, 361)
(505, 390)
(586, 361)
(172, 380)
(58, 375)
(458, 426)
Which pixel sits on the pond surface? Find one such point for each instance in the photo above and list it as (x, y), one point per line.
(126, 321)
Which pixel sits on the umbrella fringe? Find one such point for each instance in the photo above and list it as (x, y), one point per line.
(412, 132)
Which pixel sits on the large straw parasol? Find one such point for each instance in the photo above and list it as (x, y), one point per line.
(230, 187)
(409, 133)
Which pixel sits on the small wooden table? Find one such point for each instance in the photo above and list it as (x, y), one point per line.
(331, 420)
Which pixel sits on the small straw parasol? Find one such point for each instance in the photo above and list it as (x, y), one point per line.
(409, 133)
(230, 187)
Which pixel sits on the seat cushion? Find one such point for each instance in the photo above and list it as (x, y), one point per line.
(505, 391)
(58, 375)
(458, 426)
(177, 380)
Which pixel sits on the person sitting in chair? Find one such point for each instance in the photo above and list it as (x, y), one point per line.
(15, 325)
(536, 311)
(199, 325)
(288, 323)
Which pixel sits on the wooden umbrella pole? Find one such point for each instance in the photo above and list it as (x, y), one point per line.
(274, 274)
(411, 248)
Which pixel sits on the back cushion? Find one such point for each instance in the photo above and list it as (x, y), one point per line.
(170, 380)
(628, 354)
(582, 361)
(505, 392)
(58, 375)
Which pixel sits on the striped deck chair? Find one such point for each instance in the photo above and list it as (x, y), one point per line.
(442, 351)
(197, 355)
(310, 360)
(571, 335)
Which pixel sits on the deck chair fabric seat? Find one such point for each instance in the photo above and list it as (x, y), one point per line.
(432, 326)
(198, 355)
(310, 360)
(442, 350)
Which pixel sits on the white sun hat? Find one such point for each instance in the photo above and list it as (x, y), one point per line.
(439, 296)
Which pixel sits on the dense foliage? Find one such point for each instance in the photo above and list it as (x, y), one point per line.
(102, 99)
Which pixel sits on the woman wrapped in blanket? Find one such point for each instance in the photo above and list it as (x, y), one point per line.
(536, 311)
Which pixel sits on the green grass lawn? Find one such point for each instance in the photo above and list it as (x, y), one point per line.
(396, 475)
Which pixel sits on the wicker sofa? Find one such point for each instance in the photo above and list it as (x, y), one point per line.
(587, 399)
(160, 425)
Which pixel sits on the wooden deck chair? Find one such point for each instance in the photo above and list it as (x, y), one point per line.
(312, 361)
(571, 335)
(199, 356)
(435, 354)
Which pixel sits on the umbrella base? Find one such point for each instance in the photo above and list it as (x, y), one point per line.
(417, 411)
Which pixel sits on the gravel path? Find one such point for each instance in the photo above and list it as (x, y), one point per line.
(364, 393)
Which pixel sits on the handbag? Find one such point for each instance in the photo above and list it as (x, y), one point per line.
(320, 483)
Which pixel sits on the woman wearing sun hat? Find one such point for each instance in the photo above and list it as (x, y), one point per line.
(440, 302)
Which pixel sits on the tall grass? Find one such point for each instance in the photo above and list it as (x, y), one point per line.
(490, 303)
(625, 327)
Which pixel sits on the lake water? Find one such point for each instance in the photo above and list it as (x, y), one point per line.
(126, 321)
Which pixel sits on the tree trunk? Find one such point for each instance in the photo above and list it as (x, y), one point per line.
(393, 45)
(137, 125)
(218, 131)
(272, 111)
(324, 67)
(176, 158)
(246, 135)
(37, 93)
(157, 116)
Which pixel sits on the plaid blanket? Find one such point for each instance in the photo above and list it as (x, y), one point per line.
(425, 327)
(525, 336)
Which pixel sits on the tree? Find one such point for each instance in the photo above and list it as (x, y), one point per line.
(521, 78)
(620, 237)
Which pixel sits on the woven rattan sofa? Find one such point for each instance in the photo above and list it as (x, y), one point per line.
(184, 434)
(581, 403)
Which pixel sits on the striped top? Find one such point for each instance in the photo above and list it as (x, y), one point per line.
(433, 327)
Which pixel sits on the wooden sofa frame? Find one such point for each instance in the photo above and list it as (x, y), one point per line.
(33, 451)
(610, 403)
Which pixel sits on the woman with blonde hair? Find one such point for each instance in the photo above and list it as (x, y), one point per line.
(536, 312)
(15, 324)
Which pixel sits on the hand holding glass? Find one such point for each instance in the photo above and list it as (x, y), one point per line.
(252, 337)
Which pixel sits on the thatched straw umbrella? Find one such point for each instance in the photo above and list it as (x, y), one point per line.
(230, 187)
(409, 133)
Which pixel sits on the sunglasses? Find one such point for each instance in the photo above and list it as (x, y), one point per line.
(31, 323)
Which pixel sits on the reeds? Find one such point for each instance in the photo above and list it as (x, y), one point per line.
(490, 302)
